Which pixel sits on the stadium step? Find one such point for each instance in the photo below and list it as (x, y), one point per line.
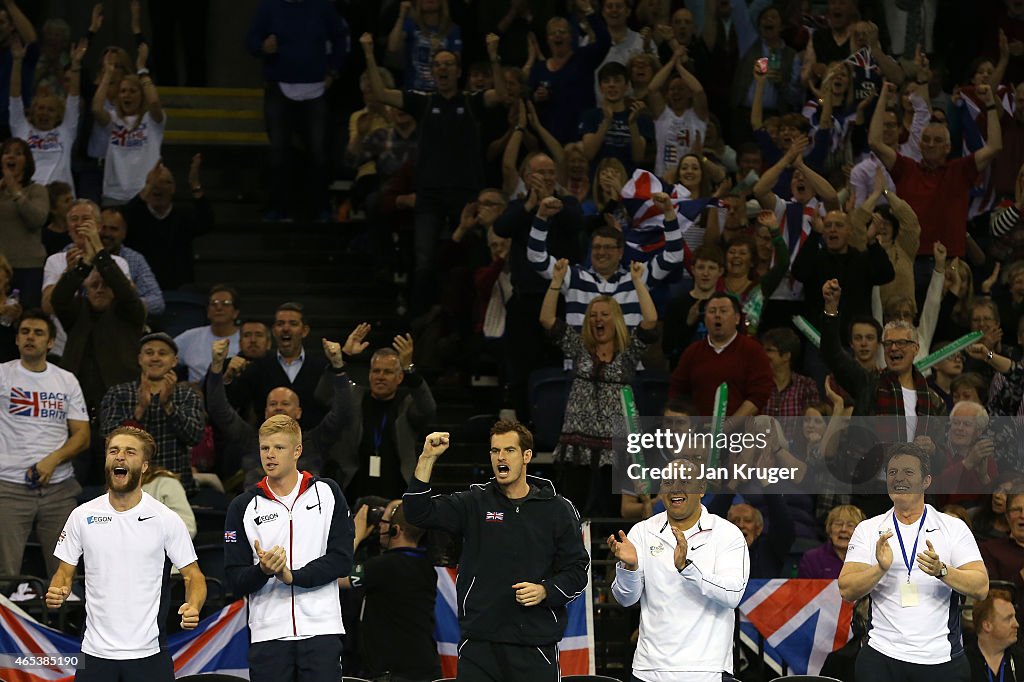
(214, 116)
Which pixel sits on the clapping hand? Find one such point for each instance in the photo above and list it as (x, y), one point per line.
(550, 206)
(883, 552)
(624, 550)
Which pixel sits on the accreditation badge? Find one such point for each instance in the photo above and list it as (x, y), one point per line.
(908, 595)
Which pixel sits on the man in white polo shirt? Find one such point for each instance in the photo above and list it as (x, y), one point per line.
(914, 632)
(689, 569)
(124, 537)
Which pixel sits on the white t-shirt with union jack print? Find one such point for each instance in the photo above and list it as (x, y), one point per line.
(133, 151)
(34, 411)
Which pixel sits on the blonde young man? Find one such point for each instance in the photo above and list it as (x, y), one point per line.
(287, 540)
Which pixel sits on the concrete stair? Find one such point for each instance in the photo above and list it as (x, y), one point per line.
(213, 116)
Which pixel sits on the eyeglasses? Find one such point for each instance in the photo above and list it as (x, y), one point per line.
(226, 302)
(898, 344)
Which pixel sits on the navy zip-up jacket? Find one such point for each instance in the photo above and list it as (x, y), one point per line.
(536, 539)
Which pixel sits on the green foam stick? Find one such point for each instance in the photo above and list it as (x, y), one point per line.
(808, 330)
(632, 416)
(718, 420)
(941, 354)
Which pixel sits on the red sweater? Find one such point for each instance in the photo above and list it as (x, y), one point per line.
(743, 365)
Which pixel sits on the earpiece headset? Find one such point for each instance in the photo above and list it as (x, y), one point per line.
(392, 529)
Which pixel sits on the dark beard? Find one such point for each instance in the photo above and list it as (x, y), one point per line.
(133, 482)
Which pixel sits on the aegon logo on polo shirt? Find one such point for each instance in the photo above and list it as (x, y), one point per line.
(98, 519)
(265, 518)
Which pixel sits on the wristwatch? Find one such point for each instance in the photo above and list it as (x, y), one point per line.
(943, 572)
(989, 355)
(410, 368)
(686, 565)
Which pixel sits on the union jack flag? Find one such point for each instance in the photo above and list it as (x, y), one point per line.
(119, 136)
(495, 516)
(647, 233)
(801, 621)
(219, 644)
(23, 403)
(231, 536)
(862, 59)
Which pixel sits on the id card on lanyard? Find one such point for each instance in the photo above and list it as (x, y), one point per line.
(908, 590)
(378, 440)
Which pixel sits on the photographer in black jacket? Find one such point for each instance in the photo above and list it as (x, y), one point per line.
(523, 559)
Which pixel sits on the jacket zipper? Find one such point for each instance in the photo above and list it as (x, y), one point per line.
(291, 534)
(466, 598)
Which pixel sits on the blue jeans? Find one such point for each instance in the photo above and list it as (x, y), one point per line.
(284, 119)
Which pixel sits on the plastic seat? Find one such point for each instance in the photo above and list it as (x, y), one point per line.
(184, 310)
(650, 390)
(803, 678)
(211, 561)
(549, 392)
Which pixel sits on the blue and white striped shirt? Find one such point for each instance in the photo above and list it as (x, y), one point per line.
(581, 286)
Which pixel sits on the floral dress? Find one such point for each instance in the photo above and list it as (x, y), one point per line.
(594, 413)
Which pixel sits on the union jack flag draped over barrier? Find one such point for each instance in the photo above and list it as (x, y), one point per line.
(220, 644)
(575, 651)
(801, 621)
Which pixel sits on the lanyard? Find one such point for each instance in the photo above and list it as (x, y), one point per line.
(378, 434)
(1002, 668)
(903, 549)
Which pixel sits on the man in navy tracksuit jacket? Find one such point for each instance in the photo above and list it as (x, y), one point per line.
(286, 542)
(523, 559)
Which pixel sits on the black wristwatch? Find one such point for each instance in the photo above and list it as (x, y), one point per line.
(685, 566)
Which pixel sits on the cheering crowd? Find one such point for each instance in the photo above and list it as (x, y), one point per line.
(818, 205)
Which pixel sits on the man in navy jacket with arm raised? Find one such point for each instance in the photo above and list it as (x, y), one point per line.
(523, 559)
